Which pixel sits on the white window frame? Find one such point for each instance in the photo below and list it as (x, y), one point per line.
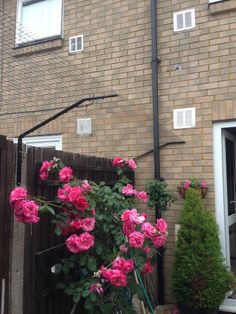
(43, 141)
(176, 29)
(183, 110)
(213, 1)
(30, 38)
(82, 44)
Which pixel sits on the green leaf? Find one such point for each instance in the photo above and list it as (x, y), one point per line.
(76, 297)
(92, 265)
(85, 293)
(83, 260)
(99, 249)
(93, 297)
(58, 231)
(51, 210)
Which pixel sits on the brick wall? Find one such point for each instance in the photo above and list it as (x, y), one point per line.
(117, 56)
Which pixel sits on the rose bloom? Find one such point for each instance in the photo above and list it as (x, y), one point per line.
(161, 225)
(136, 239)
(81, 204)
(76, 223)
(123, 248)
(118, 263)
(86, 186)
(149, 230)
(128, 266)
(86, 241)
(65, 174)
(74, 193)
(129, 190)
(203, 184)
(63, 193)
(26, 211)
(88, 224)
(132, 164)
(146, 250)
(18, 194)
(128, 227)
(187, 184)
(76, 244)
(125, 215)
(117, 278)
(159, 241)
(93, 211)
(147, 267)
(142, 196)
(96, 287)
(135, 217)
(43, 175)
(105, 273)
(118, 161)
(45, 166)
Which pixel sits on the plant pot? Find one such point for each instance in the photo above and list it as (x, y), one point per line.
(189, 310)
(202, 191)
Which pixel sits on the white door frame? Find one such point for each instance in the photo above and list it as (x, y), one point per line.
(229, 305)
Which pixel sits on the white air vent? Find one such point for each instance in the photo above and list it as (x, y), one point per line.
(184, 118)
(76, 44)
(184, 20)
(84, 126)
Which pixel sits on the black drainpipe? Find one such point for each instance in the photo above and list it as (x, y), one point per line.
(156, 135)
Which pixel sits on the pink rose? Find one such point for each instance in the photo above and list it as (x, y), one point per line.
(159, 241)
(142, 196)
(77, 224)
(43, 175)
(63, 193)
(161, 225)
(26, 211)
(118, 263)
(76, 244)
(86, 241)
(45, 166)
(128, 227)
(135, 217)
(125, 215)
(128, 190)
(105, 273)
(117, 278)
(203, 184)
(187, 184)
(18, 194)
(88, 224)
(132, 164)
(97, 287)
(128, 266)
(74, 193)
(86, 186)
(93, 212)
(81, 204)
(147, 267)
(123, 248)
(65, 174)
(136, 239)
(146, 250)
(149, 230)
(118, 161)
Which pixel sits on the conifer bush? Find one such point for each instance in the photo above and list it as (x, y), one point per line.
(200, 278)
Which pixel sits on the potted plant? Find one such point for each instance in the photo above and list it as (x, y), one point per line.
(199, 185)
(200, 278)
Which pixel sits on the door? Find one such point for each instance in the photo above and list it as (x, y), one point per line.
(229, 141)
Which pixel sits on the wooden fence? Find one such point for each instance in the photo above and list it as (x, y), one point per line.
(42, 249)
(7, 172)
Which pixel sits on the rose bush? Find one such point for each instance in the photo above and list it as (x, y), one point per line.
(108, 237)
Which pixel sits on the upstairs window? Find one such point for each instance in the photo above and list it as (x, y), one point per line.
(38, 19)
(184, 20)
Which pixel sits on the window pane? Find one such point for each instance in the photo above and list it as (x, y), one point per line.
(41, 19)
(188, 19)
(180, 21)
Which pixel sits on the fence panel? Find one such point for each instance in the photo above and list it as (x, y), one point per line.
(43, 249)
(7, 181)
